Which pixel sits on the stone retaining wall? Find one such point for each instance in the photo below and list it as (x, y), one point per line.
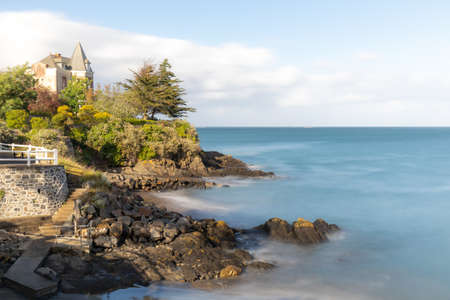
(32, 191)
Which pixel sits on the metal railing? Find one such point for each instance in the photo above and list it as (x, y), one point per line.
(27, 154)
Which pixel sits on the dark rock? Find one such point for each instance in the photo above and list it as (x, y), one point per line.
(47, 273)
(104, 241)
(170, 232)
(125, 220)
(221, 235)
(260, 266)
(279, 229)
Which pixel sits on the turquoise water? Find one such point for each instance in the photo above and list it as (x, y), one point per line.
(387, 188)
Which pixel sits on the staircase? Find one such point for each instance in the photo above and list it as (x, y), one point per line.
(63, 216)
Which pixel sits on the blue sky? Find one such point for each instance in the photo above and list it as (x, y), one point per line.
(309, 63)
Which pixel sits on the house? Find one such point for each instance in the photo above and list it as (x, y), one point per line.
(55, 70)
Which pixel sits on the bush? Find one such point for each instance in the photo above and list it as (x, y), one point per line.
(102, 116)
(79, 134)
(17, 118)
(86, 115)
(9, 136)
(52, 139)
(38, 123)
(103, 138)
(63, 117)
(147, 153)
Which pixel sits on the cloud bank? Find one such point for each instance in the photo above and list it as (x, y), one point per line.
(233, 84)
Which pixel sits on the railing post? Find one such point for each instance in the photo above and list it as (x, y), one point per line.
(55, 156)
(28, 157)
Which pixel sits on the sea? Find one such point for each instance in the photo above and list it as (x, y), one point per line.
(388, 189)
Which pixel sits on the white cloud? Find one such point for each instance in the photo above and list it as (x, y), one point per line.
(232, 84)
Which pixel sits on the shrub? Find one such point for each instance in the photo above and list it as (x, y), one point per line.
(102, 116)
(52, 139)
(17, 118)
(103, 138)
(147, 153)
(63, 117)
(79, 134)
(2, 194)
(9, 136)
(86, 115)
(38, 123)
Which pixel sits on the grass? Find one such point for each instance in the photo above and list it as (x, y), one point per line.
(93, 179)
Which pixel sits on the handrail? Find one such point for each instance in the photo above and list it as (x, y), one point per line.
(33, 154)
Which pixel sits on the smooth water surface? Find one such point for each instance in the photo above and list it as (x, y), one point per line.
(387, 188)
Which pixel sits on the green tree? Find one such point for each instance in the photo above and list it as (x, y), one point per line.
(16, 89)
(75, 93)
(158, 91)
(17, 118)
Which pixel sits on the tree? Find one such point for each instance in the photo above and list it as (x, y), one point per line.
(45, 104)
(16, 89)
(74, 95)
(158, 91)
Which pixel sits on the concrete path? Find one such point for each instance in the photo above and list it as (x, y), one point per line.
(21, 276)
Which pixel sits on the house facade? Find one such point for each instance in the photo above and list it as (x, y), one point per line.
(55, 70)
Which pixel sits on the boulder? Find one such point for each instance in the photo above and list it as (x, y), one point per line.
(230, 271)
(47, 273)
(306, 233)
(279, 229)
(221, 235)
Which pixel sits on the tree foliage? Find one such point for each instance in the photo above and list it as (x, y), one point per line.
(45, 104)
(158, 91)
(75, 93)
(16, 89)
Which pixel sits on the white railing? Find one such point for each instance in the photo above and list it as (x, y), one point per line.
(21, 154)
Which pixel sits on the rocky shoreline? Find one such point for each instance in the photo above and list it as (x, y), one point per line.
(137, 242)
(133, 240)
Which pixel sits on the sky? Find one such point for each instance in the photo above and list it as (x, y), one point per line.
(259, 63)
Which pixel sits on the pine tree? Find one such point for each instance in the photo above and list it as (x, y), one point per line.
(158, 91)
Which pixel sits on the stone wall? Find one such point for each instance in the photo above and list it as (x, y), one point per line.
(32, 191)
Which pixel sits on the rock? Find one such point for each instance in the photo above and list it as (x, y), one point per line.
(183, 224)
(230, 271)
(101, 229)
(118, 230)
(301, 231)
(221, 235)
(117, 213)
(56, 262)
(90, 210)
(125, 220)
(47, 273)
(306, 233)
(104, 242)
(279, 229)
(170, 232)
(260, 266)
(145, 211)
(243, 255)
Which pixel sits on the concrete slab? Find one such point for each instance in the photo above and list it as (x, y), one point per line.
(21, 276)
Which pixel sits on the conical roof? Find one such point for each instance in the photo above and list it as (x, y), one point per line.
(79, 59)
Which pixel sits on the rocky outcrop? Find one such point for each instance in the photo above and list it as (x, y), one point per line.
(166, 174)
(140, 242)
(218, 164)
(301, 231)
